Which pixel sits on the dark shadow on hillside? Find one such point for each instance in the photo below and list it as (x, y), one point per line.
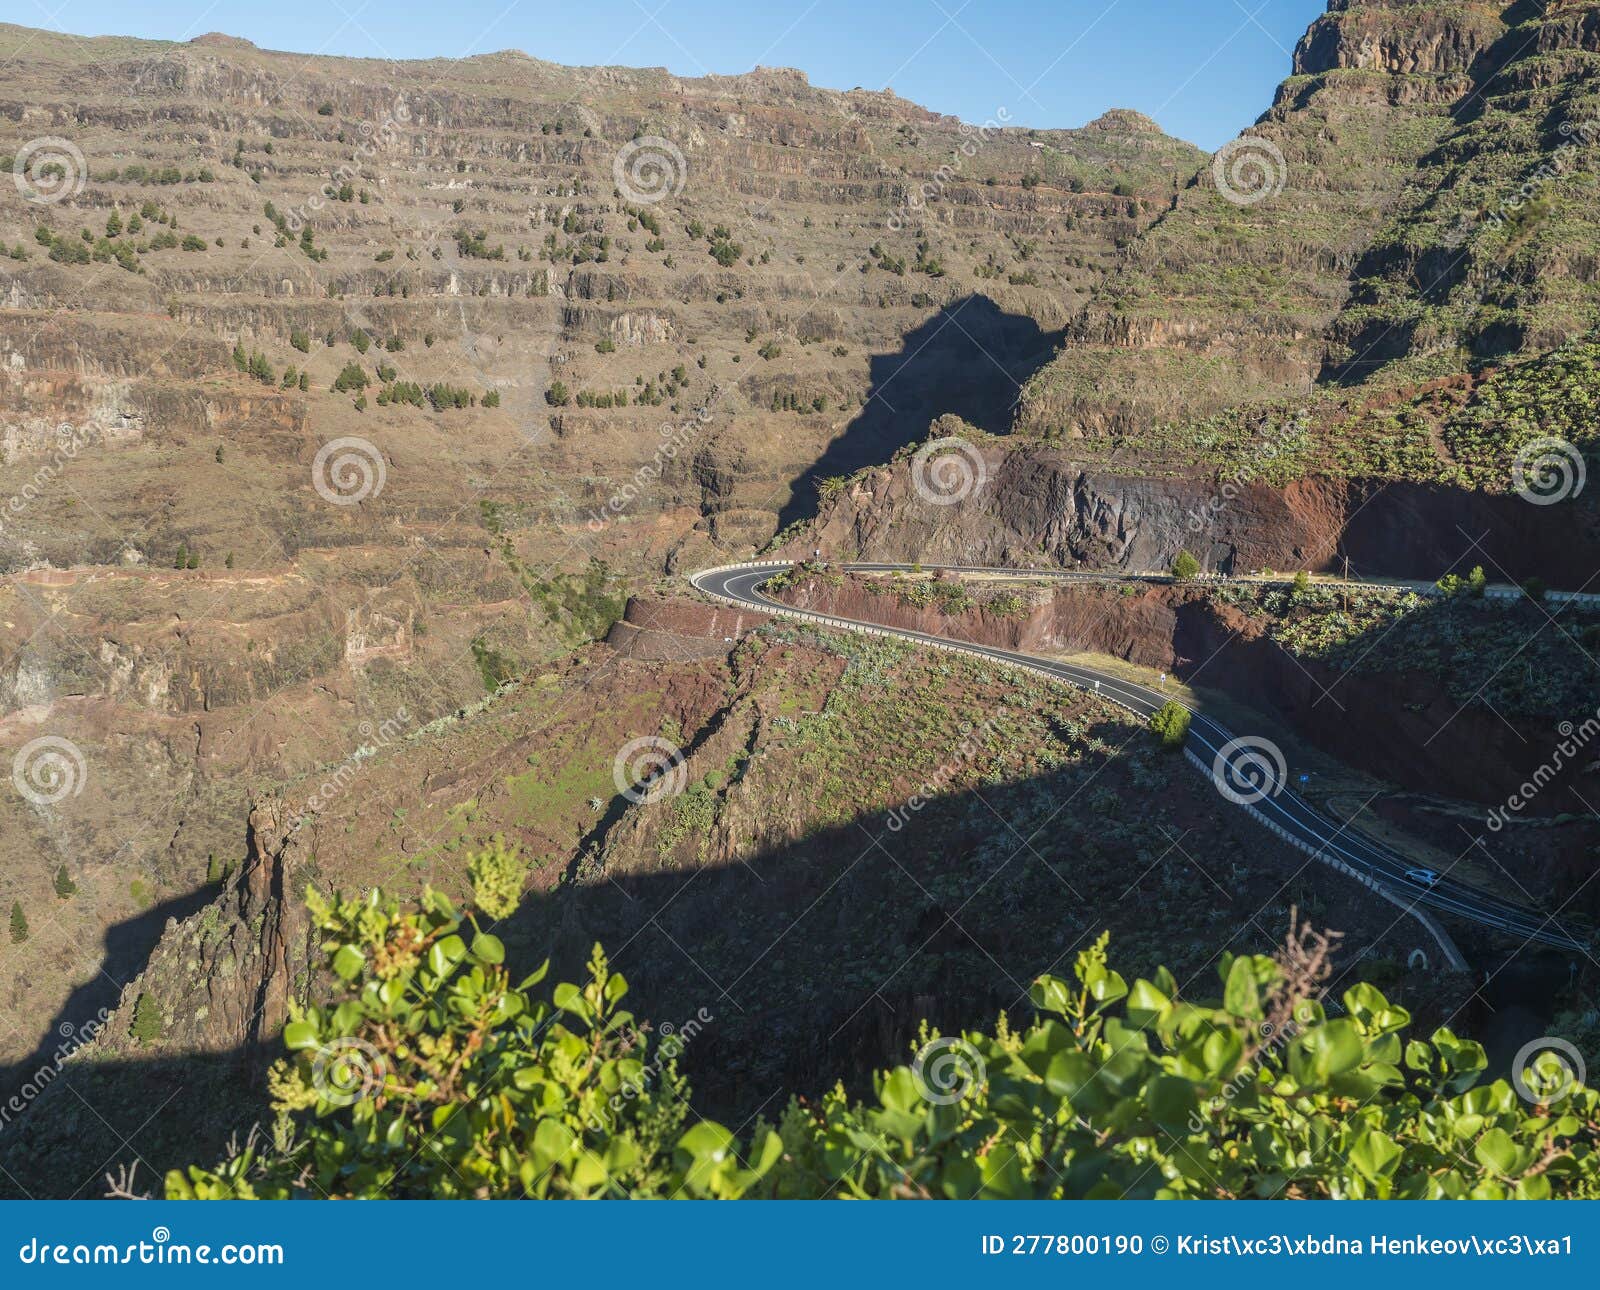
(1460, 698)
(128, 945)
(90, 1118)
(816, 961)
(971, 359)
(813, 963)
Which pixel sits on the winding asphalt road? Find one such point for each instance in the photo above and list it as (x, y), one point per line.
(1248, 771)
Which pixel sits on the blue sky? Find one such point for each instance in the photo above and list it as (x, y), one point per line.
(1204, 69)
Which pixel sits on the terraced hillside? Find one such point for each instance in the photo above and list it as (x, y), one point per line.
(1419, 198)
(348, 402)
(339, 391)
(1361, 332)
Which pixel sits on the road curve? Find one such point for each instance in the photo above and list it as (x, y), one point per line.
(1248, 771)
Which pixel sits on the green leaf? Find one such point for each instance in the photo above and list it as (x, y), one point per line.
(1496, 1152)
(1318, 1055)
(1050, 994)
(1171, 1100)
(552, 1140)
(1241, 996)
(1221, 1052)
(1107, 987)
(898, 1090)
(1375, 1155)
(1146, 1003)
(707, 1142)
(488, 949)
(348, 962)
(300, 1034)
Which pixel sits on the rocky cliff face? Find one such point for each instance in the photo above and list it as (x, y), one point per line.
(221, 980)
(1399, 37)
(1416, 200)
(1495, 248)
(1034, 505)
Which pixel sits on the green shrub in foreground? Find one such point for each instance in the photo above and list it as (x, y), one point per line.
(434, 1074)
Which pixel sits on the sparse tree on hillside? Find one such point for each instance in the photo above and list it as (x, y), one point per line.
(19, 923)
(1185, 566)
(1170, 724)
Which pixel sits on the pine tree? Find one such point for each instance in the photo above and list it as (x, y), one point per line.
(19, 923)
(65, 887)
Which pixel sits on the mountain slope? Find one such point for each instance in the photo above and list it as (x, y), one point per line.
(584, 325)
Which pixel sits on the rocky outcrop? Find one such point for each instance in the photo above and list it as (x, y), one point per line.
(1035, 505)
(1231, 297)
(1398, 37)
(221, 980)
(660, 628)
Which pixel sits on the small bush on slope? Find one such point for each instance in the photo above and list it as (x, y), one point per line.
(435, 1075)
